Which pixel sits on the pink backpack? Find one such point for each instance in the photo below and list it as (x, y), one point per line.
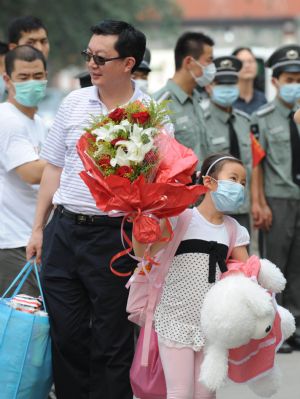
(146, 373)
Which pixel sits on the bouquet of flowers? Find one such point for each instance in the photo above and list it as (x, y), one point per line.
(124, 144)
(134, 169)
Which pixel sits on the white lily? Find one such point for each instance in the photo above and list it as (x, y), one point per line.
(107, 132)
(137, 134)
(136, 152)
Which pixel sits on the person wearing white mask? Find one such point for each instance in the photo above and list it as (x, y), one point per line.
(280, 177)
(22, 134)
(228, 129)
(141, 74)
(193, 66)
(3, 51)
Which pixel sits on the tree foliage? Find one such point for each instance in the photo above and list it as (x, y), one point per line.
(69, 21)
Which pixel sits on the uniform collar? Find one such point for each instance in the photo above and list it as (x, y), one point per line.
(223, 116)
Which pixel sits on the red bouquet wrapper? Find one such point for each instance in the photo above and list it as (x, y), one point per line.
(143, 202)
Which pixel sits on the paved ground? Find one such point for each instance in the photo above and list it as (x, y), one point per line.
(290, 367)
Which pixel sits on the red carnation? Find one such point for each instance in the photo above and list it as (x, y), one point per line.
(117, 115)
(124, 171)
(141, 117)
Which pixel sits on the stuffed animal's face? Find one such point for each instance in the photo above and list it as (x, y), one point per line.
(235, 310)
(263, 326)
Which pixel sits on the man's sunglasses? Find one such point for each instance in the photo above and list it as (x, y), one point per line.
(98, 60)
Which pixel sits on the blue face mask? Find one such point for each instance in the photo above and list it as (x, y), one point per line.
(290, 92)
(31, 92)
(2, 87)
(209, 73)
(225, 95)
(229, 196)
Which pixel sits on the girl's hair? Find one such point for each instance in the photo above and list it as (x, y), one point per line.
(214, 164)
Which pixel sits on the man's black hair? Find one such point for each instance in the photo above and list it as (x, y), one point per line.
(23, 53)
(130, 43)
(23, 24)
(190, 43)
(3, 48)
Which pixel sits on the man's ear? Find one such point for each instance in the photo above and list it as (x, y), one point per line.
(129, 64)
(187, 61)
(7, 80)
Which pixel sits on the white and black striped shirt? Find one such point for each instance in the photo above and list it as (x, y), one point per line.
(59, 149)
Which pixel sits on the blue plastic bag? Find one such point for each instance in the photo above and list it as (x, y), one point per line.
(25, 348)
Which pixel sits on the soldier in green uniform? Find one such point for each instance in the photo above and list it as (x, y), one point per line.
(228, 129)
(280, 137)
(194, 66)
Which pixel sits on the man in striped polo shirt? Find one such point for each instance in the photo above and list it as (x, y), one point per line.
(92, 339)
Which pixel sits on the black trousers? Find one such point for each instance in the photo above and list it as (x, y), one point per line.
(92, 340)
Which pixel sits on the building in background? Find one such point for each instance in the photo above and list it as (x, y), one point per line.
(262, 25)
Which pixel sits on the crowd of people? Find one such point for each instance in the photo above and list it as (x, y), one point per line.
(47, 211)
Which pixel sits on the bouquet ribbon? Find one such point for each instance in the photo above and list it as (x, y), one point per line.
(136, 217)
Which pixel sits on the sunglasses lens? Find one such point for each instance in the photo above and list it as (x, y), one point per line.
(86, 56)
(99, 60)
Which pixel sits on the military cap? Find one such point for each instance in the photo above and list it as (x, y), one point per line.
(145, 63)
(285, 59)
(227, 69)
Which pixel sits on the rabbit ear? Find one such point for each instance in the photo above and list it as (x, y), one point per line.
(214, 367)
(258, 299)
(270, 277)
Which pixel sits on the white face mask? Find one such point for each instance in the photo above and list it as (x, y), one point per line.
(142, 84)
(209, 73)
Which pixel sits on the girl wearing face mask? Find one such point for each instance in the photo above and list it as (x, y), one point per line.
(198, 262)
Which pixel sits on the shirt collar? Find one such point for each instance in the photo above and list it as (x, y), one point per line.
(137, 95)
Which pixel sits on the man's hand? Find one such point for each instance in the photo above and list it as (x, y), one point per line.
(257, 215)
(268, 217)
(34, 247)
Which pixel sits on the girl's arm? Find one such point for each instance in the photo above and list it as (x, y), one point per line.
(240, 253)
(139, 248)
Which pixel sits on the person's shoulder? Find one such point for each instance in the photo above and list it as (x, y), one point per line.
(265, 110)
(10, 117)
(7, 109)
(80, 95)
(234, 223)
(163, 94)
(242, 234)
